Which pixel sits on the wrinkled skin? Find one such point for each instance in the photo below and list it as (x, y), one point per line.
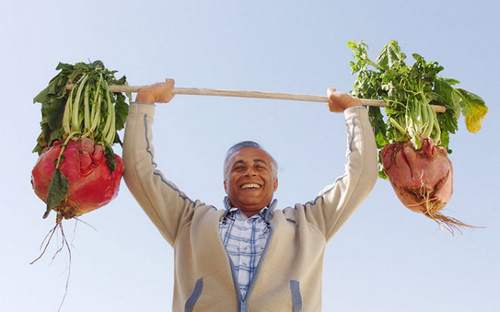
(90, 183)
(423, 179)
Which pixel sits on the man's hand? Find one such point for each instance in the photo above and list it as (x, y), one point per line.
(339, 101)
(161, 92)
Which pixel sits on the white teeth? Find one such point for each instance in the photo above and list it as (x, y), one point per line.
(250, 185)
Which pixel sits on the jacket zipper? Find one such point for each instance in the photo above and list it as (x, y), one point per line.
(236, 286)
(252, 282)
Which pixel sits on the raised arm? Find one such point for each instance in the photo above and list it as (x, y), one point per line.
(331, 208)
(166, 206)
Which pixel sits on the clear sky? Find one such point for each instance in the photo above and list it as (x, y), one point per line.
(385, 258)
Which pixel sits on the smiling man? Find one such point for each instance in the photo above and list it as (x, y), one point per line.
(249, 256)
(250, 177)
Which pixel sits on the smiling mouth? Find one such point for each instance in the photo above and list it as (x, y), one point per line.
(251, 186)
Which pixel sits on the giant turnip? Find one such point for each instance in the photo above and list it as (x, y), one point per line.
(422, 179)
(91, 184)
(77, 170)
(412, 139)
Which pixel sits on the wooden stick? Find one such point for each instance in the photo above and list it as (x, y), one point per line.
(256, 94)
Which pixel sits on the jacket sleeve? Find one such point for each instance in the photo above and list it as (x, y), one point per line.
(167, 207)
(337, 201)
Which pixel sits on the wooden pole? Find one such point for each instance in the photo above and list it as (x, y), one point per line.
(255, 94)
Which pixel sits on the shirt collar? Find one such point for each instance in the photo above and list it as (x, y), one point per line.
(265, 212)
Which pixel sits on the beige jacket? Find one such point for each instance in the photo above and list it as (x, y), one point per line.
(289, 274)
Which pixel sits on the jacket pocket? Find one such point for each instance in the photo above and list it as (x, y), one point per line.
(195, 295)
(296, 296)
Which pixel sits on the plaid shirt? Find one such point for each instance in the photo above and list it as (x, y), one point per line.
(244, 240)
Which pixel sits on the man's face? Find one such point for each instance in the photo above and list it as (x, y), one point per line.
(250, 180)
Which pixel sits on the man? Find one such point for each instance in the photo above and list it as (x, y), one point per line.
(250, 256)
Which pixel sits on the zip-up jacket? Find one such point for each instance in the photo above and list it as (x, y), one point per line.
(288, 277)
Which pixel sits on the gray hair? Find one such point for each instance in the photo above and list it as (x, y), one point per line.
(244, 144)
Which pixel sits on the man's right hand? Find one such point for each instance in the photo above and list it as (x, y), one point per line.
(340, 101)
(161, 92)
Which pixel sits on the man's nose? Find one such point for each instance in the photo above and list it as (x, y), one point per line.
(251, 171)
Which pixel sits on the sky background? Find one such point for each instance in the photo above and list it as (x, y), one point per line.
(385, 258)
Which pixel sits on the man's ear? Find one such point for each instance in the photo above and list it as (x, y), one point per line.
(225, 185)
(275, 186)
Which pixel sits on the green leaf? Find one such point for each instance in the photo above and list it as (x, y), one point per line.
(121, 111)
(381, 174)
(450, 81)
(121, 81)
(360, 56)
(54, 111)
(40, 143)
(445, 140)
(58, 189)
(379, 126)
(391, 55)
(473, 108)
(56, 135)
(64, 66)
(110, 158)
(41, 97)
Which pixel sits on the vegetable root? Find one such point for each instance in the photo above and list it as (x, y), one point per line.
(422, 179)
(64, 243)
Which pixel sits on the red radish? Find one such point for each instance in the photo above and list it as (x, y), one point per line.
(90, 182)
(77, 170)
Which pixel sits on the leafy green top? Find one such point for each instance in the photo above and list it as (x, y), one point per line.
(60, 120)
(409, 91)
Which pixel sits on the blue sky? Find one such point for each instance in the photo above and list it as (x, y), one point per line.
(385, 258)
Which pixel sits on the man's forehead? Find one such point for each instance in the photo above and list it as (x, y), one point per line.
(251, 154)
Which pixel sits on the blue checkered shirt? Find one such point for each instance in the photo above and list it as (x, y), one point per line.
(244, 240)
